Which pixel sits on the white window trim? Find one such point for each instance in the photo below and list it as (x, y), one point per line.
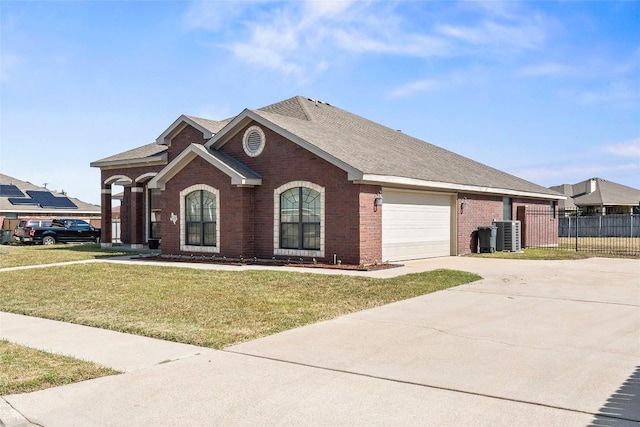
(190, 248)
(276, 220)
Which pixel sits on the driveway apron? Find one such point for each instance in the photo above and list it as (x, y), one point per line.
(532, 343)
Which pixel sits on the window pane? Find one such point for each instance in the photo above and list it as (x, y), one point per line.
(209, 233)
(193, 206)
(208, 207)
(311, 236)
(310, 205)
(290, 205)
(193, 233)
(289, 236)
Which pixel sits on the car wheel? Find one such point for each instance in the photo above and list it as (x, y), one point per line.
(48, 240)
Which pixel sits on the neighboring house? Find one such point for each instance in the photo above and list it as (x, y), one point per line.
(21, 199)
(304, 179)
(598, 196)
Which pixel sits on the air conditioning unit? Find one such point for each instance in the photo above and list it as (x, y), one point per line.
(508, 237)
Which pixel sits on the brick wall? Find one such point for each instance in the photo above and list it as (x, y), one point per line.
(538, 227)
(132, 231)
(189, 135)
(370, 225)
(247, 214)
(539, 223)
(480, 210)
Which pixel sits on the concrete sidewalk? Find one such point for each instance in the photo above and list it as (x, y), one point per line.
(533, 343)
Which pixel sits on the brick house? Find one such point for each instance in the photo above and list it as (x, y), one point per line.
(304, 179)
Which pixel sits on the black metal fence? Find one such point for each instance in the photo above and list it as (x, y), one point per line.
(617, 234)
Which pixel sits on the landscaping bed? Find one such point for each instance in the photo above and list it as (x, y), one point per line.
(266, 262)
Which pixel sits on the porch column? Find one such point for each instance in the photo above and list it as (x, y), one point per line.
(137, 217)
(106, 217)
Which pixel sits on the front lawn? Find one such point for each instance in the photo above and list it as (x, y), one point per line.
(203, 307)
(22, 255)
(23, 369)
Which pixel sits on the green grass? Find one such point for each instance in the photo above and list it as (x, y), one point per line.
(537, 254)
(203, 307)
(23, 369)
(23, 255)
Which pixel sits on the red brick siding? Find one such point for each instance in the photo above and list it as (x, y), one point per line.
(370, 225)
(189, 135)
(127, 225)
(482, 210)
(247, 213)
(539, 224)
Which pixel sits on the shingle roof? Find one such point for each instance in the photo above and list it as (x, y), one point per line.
(363, 145)
(609, 193)
(375, 149)
(139, 153)
(212, 125)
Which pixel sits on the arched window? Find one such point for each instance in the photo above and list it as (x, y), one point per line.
(300, 214)
(299, 219)
(200, 218)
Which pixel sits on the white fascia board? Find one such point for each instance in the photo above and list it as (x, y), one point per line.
(179, 124)
(246, 116)
(147, 161)
(187, 156)
(418, 183)
(230, 129)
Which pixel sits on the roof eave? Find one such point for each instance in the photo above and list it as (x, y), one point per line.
(435, 185)
(146, 161)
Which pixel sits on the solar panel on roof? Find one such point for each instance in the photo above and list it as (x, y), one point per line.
(10, 191)
(45, 199)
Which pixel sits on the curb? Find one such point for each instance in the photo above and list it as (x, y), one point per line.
(9, 417)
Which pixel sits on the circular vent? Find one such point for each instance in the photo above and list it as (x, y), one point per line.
(253, 141)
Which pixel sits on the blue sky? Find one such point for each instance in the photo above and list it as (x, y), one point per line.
(549, 91)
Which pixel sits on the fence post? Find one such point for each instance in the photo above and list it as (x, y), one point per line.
(577, 221)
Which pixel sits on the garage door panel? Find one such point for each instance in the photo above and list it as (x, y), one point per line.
(415, 225)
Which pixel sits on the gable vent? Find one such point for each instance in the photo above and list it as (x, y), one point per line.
(253, 141)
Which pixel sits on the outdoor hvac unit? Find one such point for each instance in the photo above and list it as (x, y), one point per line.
(508, 236)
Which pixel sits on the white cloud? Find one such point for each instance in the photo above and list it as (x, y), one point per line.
(514, 35)
(621, 94)
(326, 8)
(547, 69)
(293, 37)
(625, 149)
(474, 76)
(414, 45)
(424, 85)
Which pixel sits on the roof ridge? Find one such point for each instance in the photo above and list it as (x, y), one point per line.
(292, 107)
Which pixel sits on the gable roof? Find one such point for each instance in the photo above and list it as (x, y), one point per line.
(29, 198)
(239, 173)
(371, 152)
(600, 192)
(367, 151)
(206, 126)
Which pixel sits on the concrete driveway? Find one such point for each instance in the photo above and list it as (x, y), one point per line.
(533, 343)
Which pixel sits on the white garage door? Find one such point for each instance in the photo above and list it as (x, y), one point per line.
(415, 225)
